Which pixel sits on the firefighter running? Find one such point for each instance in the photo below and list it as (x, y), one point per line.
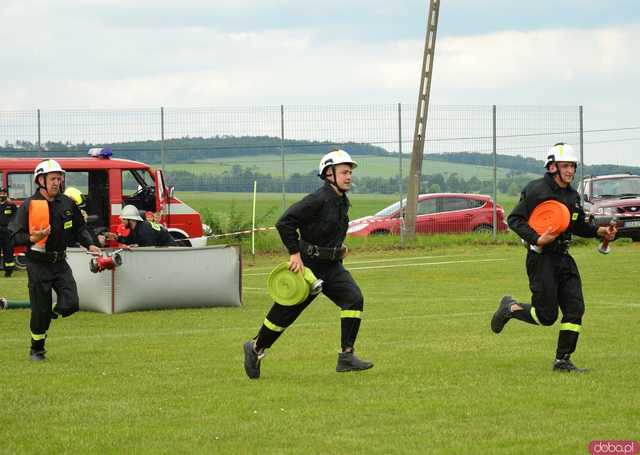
(554, 279)
(313, 230)
(46, 243)
(8, 210)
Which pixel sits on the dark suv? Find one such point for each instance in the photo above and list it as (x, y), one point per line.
(609, 196)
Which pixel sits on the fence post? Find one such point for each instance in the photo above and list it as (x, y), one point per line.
(284, 198)
(494, 214)
(400, 186)
(39, 137)
(162, 137)
(580, 113)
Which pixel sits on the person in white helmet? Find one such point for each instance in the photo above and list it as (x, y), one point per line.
(141, 232)
(554, 279)
(47, 267)
(313, 230)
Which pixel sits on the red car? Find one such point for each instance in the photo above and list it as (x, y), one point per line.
(436, 213)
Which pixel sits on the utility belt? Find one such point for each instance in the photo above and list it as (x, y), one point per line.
(560, 247)
(322, 253)
(52, 257)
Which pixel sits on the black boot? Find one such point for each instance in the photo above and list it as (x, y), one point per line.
(37, 351)
(8, 272)
(347, 361)
(565, 365)
(502, 314)
(37, 355)
(252, 360)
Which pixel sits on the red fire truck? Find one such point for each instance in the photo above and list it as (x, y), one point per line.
(108, 184)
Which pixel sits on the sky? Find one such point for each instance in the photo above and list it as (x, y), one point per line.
(121, 54)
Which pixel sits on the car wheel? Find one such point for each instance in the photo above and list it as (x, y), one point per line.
(485, 228)
(380, 233)
(635, 238)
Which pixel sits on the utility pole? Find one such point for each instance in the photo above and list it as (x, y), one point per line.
(417, 153)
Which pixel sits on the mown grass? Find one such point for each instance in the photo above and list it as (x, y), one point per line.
(172, 381)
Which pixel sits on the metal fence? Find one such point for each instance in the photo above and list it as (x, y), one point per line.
(469, 149)
(525, 131)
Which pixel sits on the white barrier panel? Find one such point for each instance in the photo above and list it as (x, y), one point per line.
(158, 278)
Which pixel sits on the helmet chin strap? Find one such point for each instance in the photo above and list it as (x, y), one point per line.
(43, 187)
(335, 181)
(557, 171)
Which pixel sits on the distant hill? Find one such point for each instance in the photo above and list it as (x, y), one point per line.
(191, 149)
(523, 165)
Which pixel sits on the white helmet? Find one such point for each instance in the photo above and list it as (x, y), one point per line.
(45, 167)
(130, 212)
(562, 152)
(334, 157)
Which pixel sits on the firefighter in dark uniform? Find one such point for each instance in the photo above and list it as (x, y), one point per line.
(313, 230)
(47, 267)
(554, 279)
(8, 210)
(141, 232)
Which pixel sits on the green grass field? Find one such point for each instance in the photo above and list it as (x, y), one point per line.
(443, 383)
(376, 166)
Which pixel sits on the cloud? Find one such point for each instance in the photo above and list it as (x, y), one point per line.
(540, 59)
(117, 54)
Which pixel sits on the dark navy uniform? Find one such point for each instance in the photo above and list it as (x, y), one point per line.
(316, 227)
(554, 279)
(8, 211)
(49, 270)
(148, 233)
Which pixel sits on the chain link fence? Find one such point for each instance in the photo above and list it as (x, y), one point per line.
(487, 150)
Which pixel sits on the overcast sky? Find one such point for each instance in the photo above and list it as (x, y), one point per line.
(117, 54)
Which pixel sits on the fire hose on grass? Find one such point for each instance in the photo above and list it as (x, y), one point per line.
(6, 304)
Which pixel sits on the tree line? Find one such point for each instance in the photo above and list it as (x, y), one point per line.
(240, 179)
(190, 149)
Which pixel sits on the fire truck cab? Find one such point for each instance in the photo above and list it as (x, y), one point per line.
(108, 184)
